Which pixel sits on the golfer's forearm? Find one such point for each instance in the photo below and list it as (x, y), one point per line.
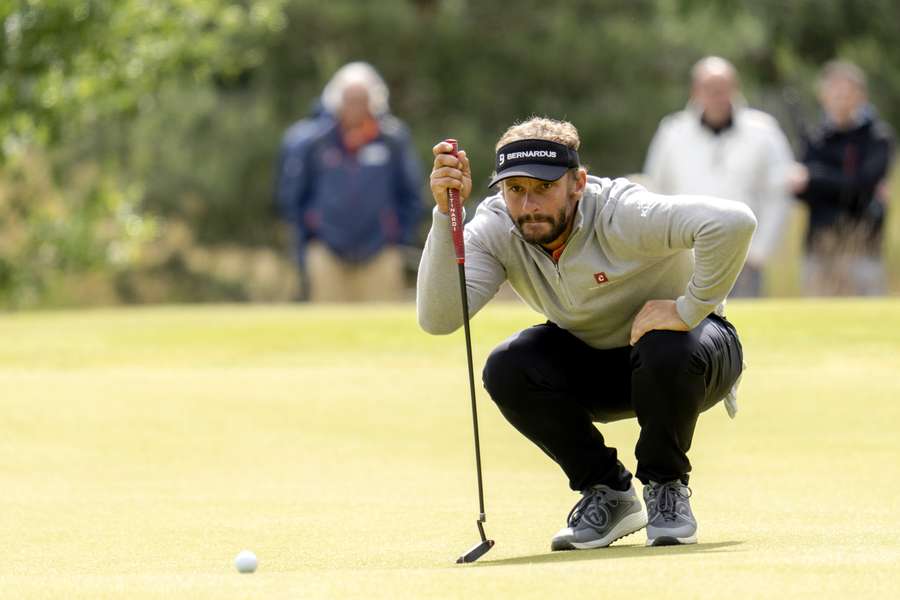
(720, 247)
(438, 301)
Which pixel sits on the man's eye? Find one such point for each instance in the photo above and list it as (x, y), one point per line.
(546, 185)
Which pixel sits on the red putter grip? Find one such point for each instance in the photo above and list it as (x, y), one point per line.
(456, 218)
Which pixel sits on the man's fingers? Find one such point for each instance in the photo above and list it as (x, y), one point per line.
(447, 172)
(446, 182)
(656, 315)
(640, 325)
(447, 177)
(442, 148)
(464, 160)
(446, 160)
(636, 329)
(442, 157)
(636, 334)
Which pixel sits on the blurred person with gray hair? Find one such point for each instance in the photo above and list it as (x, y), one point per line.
(718, 146)
(349, 182)
(845, 165)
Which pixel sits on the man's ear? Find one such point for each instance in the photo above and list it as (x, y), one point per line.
(581, 179)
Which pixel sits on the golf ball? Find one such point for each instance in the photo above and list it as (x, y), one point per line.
(245, 561)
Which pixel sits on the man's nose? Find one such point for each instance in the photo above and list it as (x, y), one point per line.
(529, 203)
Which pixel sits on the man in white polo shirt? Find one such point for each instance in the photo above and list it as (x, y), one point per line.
(719, 147)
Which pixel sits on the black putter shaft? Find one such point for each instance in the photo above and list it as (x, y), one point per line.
(456, 226)
(479, 549)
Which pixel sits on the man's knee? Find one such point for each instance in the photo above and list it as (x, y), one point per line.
(668, 354)
(503, 375)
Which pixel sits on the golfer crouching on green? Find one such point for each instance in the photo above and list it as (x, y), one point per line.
(633, 286)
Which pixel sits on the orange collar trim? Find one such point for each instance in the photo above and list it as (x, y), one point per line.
(557, 253)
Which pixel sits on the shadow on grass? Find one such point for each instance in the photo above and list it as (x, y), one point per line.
(613, 552)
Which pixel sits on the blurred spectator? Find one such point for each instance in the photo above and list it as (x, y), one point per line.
(294, 146)
(719, 147)
(349, 181)
(845, 163)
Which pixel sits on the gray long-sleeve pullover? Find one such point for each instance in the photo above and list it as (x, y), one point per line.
(627, 246)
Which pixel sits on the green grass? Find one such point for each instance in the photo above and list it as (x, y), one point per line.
(141, 449)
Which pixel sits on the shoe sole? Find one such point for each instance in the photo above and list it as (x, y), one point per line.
(630, 524)
(666, 540)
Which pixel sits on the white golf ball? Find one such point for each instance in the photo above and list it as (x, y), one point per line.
(245, 561)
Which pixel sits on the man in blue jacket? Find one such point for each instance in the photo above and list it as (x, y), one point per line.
(349, 182)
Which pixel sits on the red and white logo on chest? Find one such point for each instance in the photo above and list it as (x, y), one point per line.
(601, 277)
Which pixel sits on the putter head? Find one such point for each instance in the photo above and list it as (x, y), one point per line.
(476, 552)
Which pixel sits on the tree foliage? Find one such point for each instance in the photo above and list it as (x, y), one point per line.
(178, 106)
(76, 77)
(76, 62)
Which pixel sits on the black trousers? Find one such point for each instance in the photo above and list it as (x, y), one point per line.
(552, 387)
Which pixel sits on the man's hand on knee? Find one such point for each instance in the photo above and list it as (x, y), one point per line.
(656, 314)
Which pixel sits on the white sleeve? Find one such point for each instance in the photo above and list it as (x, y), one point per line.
(656, 165)
(775, 201)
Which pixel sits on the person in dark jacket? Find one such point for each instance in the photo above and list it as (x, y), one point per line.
(845, 164)
(349, 181)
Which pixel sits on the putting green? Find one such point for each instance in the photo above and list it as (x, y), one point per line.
(141, 449)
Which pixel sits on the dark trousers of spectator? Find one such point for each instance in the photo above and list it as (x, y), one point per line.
(552, 387)
(845, 259)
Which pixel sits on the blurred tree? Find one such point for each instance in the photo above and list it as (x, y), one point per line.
(67, 64)
(181, 103)
(73, 75)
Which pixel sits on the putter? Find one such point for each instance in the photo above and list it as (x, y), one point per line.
(456, 228)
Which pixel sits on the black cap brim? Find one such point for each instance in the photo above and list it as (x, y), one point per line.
(534, 171)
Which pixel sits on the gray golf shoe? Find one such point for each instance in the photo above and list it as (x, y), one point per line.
(671, 520)
(602, 516)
